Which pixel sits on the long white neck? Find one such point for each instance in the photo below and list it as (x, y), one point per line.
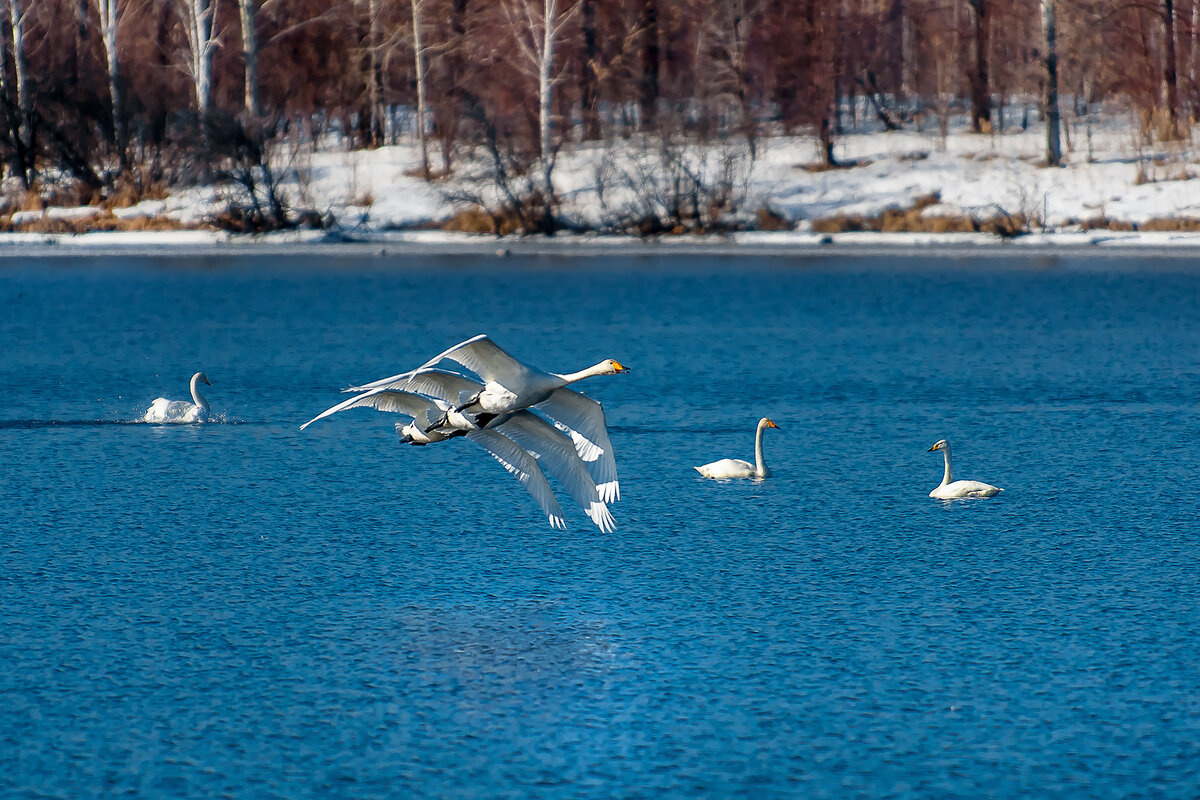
(760, 468)
(948, 475)
(602, 368)
(198, 398)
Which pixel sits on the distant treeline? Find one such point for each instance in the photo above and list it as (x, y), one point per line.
(100, 92)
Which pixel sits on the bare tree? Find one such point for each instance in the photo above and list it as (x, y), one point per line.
(536, 35)
(981, 102)
(109, 13)
(725, 34)
(1170, 68)
(418, 6)
(1053, 125)
(197, 17)
(248, 14)
(14, 82)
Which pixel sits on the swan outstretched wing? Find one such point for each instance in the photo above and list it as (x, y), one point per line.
(435, 383)
(390, 400)
(524, 467)
(557, 453)
(449, 353)
(589, 433)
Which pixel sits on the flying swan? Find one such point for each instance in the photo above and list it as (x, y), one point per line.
(163, 410)
(512, 385)
(950, 489)
(521, 442)
(735, 467)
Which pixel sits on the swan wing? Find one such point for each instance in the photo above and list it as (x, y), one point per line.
(524, 467)
(390, 400)
(588, 428)
(726, 468)
(404, 376)
(960, 489)
(436, 383)
(557, 453)
(494, 365)
(164, 410)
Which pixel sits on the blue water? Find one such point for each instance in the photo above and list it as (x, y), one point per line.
(244, 609)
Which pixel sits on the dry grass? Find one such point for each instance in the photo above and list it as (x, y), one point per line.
(913, 220)
(104, 222)
(128, 193)
(476, 220)
(770, 220)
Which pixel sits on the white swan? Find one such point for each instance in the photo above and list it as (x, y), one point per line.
(163, 410)
(511, 385)
(950, 489)
(522, 442)
(735, 467)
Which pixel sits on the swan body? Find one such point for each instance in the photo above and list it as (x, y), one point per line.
(509, 385)
(736, 467)
(522, 442)
(950, 489)
(163, 410)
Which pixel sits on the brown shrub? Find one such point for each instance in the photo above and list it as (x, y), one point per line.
(770, 220)
(129, 192)
(1174, 224)
(476, 220)
(104, 222)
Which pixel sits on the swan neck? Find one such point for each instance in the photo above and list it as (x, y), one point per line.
(759, 467)
(596, 369)
(198, 398)
(948, 475)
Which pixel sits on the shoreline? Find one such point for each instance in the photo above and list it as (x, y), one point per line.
(1104, 244)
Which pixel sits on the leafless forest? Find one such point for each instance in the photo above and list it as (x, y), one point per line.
(113, 100)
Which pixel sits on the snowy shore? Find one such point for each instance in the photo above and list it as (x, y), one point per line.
(1097, 244)
(904, 192)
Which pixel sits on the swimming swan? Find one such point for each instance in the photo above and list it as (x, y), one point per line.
(163, 410)
(950, 489)
(735, 467)
(521, 442)
(511, 385)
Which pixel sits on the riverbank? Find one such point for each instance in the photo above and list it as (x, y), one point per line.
(908, 189)
(1100, 244)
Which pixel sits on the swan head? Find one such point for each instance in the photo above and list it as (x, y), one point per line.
(200, 377)
(767, 423)
(940, 444)
(612, 367)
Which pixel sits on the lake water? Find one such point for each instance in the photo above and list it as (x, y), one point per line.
(244, 609)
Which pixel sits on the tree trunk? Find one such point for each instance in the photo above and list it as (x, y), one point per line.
(588, 91)
(419, 56)
(109, 15)
(651, 63)
(250, 97)
(198, 23)
(23, 118)
(1170, 70)
(981, 106)
(1049, 29)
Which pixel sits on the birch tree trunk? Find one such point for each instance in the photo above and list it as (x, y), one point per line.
(109, 13)
(419, 56)
(16, 87)
(197, 16)
(537, 37)
(248, 13)
(1053, 123)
